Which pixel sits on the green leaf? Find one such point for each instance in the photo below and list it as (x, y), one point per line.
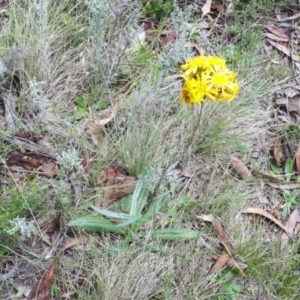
(130, 221)
(91, 223)
(125, 203)
(81, 102)
(172, 234)
(110, 213)
(286, 210)
(79, 113)
(288, 169)
(139, 197)
(155, 206)
(275, 170)
(100, 105)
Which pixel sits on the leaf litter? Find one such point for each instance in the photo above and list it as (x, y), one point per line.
(226, 257)
(116, 184)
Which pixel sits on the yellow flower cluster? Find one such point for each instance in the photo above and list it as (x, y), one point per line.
(207, 77)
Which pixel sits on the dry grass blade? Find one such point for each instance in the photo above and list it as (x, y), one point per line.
(262, 212)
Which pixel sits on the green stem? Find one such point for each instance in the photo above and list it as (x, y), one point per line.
(197, 127)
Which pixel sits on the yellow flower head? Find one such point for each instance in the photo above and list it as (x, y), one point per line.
(207, 77)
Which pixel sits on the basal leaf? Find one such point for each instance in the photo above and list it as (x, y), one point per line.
(92, 223)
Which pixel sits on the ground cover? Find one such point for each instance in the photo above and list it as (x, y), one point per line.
(111, 187)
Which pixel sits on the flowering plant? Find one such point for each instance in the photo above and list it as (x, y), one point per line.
(207, 77)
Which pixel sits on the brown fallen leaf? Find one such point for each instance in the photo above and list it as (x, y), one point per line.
(285, 50)
(167, 39)
(33, 147)
(240, 167)
(42, 289)
(226, 256)
(124, 189)
(297, 228)
(222, 235)
(33, 162)
(49, 169)
(108, 176)
(206, 8)
(266, 177)
(106, 120)
(225, 260)
(71, 242)
(298, 161)
(262, 212)
(96, 132)
(294, 17)
(76, 184)
(290, 226)
(186, 172)
(291, 92)
(86, 163)
(276, 37)
(288, 186)
(221, 261)
(279, 31)
(121, 185)
(278, 155)
(29, 135)
(219, 7)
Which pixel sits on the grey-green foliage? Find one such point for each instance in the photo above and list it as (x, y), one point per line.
(22, 226)
(40, 100)
(180, 49)
(70, 160)
(112, 26)
(41, 17)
